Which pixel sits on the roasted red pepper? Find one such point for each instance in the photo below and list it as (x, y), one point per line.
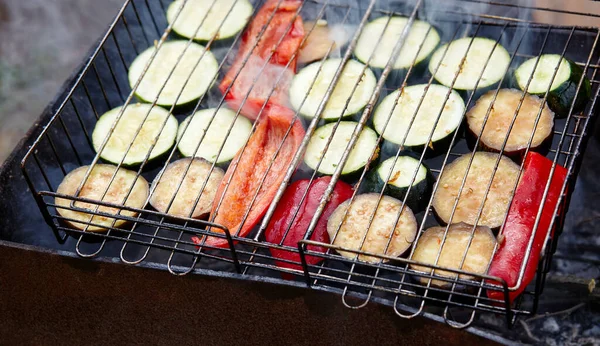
(252, 164)
(283, 218)
(520, 222)
(285, 26)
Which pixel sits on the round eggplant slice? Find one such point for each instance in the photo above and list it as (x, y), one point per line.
(141, 126)
(355, 226)
(126, 188)
(181, 184)
(473, 193)
(451, 253)
(501, 115)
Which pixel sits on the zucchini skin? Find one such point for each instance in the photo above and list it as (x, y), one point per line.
(436, 148)
(561, 98)
(419, 194)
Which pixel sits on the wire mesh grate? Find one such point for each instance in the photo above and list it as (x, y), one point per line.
(66, 143)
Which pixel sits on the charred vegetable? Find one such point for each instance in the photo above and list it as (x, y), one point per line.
(501, 115)
(184, 182)
(472, 195)
(476, 242)
(350, 232)
(126, 189)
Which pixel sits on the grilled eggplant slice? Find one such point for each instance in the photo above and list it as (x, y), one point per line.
(562, 91)
(354, 228)
(479, 175)
(316, 78)
(218, 122)
(469, 58)
(421, 33)
(204, 20)
(140, 126)
(364, 150)
(178, 74)
(187, 183)
(423, 123)
(478, 255)
(127, 189)
(501, 116)
(399, 183)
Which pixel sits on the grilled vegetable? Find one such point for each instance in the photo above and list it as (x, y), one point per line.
(140, 127)
(469, 63)
(266, 154)
(262, 59)
(293, 218)
(400, 181)
(218, 121)
(202, 20)
(563, 89)
(473, 193)
(519, 226)
(480, 242)
(126, 189)
(421, 33)
(501, 115)
(364, 150)
(191, 68)
(321, 39)
(316, 78)
(355, 227)
(184, 182)
(402, 113)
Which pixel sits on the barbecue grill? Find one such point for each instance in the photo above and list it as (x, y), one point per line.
(64, 143)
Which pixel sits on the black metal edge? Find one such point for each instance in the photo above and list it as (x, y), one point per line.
(253, 278)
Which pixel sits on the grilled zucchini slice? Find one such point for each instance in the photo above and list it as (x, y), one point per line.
(316, 78)
(399, 184)
(180, 185)
(563, 89)
(478, 254)
(469, 63)
(501, 115)
(202, 20)
(479, 175)
(364, 150)
(421, 33)
(127, 189)
(194, 128)
(356, 227)
(192, 73)
(400, 119)
(140, 126)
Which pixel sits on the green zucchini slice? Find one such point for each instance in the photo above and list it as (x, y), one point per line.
(421, 33)
(192, 73)
(469, 63)
(140, 126)
(562, 90)
(364, 151)
(221, 19)
(218, 134)
(342, 103)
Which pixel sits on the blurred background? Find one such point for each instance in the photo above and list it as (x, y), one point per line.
(41, 44)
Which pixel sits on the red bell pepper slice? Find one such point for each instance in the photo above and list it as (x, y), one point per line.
(252, 164)
(283, 218)
(518, 228)
(258, 48)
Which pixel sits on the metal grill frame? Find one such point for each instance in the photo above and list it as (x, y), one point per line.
(247, 255)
